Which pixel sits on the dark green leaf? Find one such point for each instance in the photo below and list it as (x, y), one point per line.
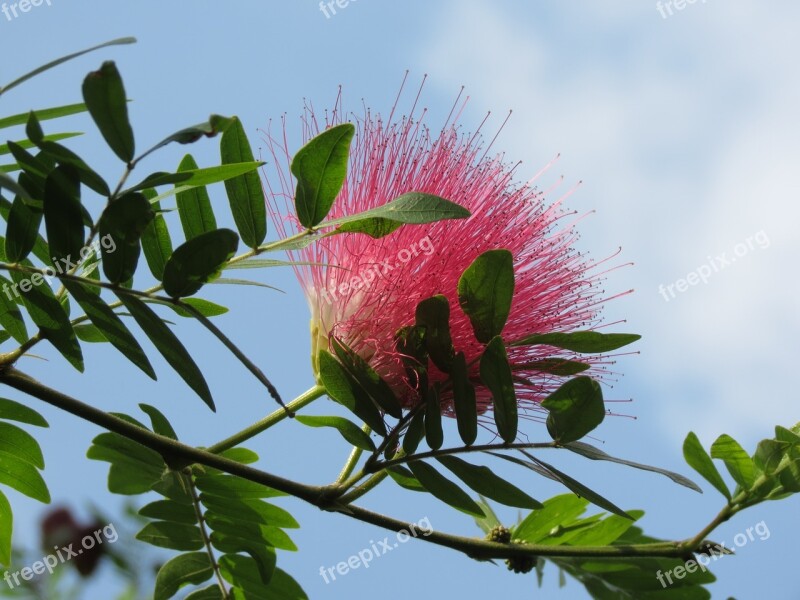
(135, 469)
(434, 315)
(204, 307)
(739, 463)
(496, 375)
(33, 129)
(244, 192)
(366, 377)
(320, 168)
(574, 409)
(414, 433)
(197, 261)
(697, 458)
(263, 554)
(464, 401)
(586, 342)
(194, 205)
(189, 135)
(554, 366)
(578, 488)
(349, 431)
(405, 478)
(185, 569)
(43, 114)
(89, 333)
(104, 95)
(593, 453)
(485, 291)
(340, 386)
(485, 482)
(156, 241)
(65, 156)
(259, 534)
(121, 226)
(444, 489)
(10, 315)
(49, 315)
(54, 137)
(169, 346)
(434, 435)
(23, 477)
(212, 592)
(111, 326)
(375, 227)
(14, 411)
(22, 230)
(8, 183)
(250, 511)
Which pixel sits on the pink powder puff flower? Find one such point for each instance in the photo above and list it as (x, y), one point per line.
(363, 290)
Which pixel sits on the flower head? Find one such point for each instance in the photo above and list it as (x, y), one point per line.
(363, 290)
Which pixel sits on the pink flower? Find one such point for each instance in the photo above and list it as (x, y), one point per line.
(370, 287)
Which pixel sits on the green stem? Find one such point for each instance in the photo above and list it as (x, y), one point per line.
(315, 495)
(363, 489)
(201, 522)
(253, 430)
(352, 460)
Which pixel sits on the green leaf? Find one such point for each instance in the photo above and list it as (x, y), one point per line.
(340, 386)
(169, 346)
(243, 572)
(434, 315)
(134, 469)
(245, 194)
(212, 592)
(258, 549)
(585, 342)
(593, 453)
(554, 366)
(351, 432)
(606, 531)
(444, 489)
(21, 445)
(186, 569)
(63, 59)
(574, 409)
(89, 333)
(22, 229)
(485, 482)
(122, 224)
(557, 511)
(6, 530)
(189, 135)
(156, 240)
(697, 458)
(738, 462)
(228, 486)
(413, 208)
(175, 536)
(159, 422)
(485, 291)
(204, 307)
(320, 168)
(14, 411)
(104, 95)
(194, 205)
(197, 261)
(110, 325)
(375, 227)
(23, 477)
(405, 478)
(169, 510)
(578, 488)
(464, 402)
(10, 315)
(367, 378)
(43, 114)
(259, 534)
(46, 311)
(434, 435)
(496, 375)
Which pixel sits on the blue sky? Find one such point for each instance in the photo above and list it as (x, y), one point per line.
(683, 130)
